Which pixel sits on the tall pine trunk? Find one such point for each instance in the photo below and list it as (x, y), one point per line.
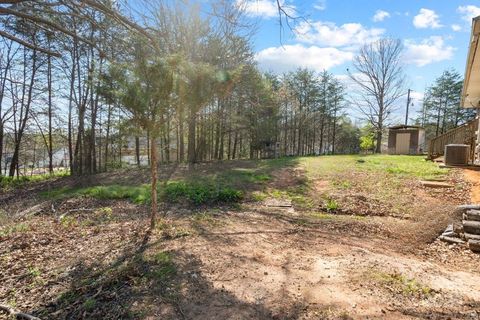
(50, 140)
(153, 168)
(191, 138)
(14, 165)
(137, 150)
(107, 135)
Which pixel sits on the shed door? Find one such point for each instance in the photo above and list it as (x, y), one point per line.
(403, 143)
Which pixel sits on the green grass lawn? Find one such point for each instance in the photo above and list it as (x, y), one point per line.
(404, 166)
(7, 183)
(380, 176)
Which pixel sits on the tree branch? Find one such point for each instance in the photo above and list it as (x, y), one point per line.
(29, 45)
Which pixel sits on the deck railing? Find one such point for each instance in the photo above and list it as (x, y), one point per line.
(464, 134)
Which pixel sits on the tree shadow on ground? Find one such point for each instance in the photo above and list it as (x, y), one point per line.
(218, 170)
(242, 173)
(148, 281)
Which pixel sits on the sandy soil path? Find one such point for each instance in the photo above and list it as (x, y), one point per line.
(473, 176)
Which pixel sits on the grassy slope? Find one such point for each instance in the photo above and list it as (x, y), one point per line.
(377, 179)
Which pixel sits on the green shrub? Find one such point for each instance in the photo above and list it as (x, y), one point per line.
(139, 195)
(228, 194)
(201, 192)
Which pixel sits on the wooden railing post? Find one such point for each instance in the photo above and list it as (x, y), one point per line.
(465, 134)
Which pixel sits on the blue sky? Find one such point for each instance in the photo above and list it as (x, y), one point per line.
(435, 34)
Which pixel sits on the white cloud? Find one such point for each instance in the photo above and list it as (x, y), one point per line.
(347, 80)
(290, 57)
(264, 8)
(331, 35)
(342, 77)
(426, 18)
(320, 5)
(456, 27)
(469, 12)
(416, 102)
(380, 15)
(430, 50)
(417, 96)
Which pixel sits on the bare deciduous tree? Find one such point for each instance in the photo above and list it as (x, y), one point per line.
(380, 79)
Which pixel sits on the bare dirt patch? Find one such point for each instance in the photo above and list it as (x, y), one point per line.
(473, 176)
(290, 177)
(262, 264)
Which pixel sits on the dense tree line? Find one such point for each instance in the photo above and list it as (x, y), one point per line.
(94, 86)
(441, 105)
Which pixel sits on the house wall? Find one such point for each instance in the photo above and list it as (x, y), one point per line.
(477, 143)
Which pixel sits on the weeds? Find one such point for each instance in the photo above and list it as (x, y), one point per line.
(89, 304)
(34, 272)
(301, 222)
(303, 202)
(258, 196)
(401, 284)
(164, 269)
(169, 231)
(3, 217)
(342, 184)
(323, 216)
(203, 217)
(105, 213)
(68, 221)
(331, 205)
(100, 216)
(16, 228)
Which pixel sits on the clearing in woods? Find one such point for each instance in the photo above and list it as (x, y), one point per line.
(334, 237)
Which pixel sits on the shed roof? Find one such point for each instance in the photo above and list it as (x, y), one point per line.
(471, 84)
(402, 126)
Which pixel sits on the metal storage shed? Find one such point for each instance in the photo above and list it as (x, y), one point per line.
(406, 140)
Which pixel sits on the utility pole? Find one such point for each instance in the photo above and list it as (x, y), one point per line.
(408, 105)
(424, 110)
